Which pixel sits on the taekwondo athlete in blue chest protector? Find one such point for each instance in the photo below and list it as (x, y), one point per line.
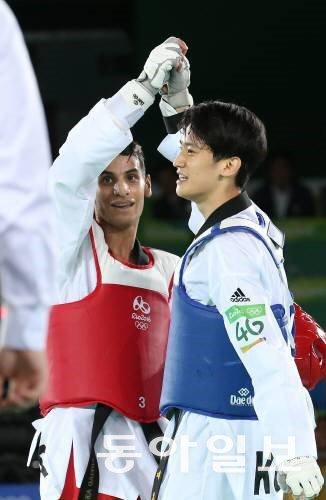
(243, 426)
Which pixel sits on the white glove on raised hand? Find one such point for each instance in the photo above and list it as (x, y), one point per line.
(301, 476)
(160, 62)
(136, 96)
(175, 94)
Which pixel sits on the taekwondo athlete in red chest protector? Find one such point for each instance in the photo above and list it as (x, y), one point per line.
(108, 332)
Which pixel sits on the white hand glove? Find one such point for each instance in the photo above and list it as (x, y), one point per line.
(160, 62)
(175, 93)
(136, 96)
(300, 476)
(179, 78)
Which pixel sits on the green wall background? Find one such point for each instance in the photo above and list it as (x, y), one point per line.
(304, 253)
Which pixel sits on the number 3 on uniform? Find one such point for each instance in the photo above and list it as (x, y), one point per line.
(142, 402)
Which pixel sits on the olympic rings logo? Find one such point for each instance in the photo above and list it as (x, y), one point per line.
(140, 304)
(141, 326)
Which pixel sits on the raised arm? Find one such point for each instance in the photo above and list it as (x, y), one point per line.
(175, 98)
(94, 142)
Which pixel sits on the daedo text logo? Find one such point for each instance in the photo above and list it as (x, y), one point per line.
(243, 398)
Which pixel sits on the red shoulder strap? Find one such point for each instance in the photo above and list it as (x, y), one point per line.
(97, 264)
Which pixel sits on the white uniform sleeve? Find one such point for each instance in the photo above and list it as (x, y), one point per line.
(241, 296)
(91, 145)
(169, 148)
(26, 245)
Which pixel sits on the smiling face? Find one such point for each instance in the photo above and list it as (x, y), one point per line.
(196, 169)
(122, 187)
(203, 179)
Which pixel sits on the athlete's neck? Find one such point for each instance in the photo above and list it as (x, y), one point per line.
(120, 241)
(215, 200)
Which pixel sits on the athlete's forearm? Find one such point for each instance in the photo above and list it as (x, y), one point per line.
(280, 403)
(91, 145)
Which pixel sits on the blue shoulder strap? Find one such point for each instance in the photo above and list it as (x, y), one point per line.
(216, 230)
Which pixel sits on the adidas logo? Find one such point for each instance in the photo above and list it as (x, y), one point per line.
(239, 296)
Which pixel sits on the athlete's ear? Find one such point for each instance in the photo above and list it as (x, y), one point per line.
(230, 166)
(148, 186)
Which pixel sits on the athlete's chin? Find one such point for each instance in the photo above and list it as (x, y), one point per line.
(183, 192)
(122, 220)
(122, 224)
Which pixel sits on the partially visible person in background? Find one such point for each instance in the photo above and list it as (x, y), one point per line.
(26, 243)
(283, 195)
(167, 205)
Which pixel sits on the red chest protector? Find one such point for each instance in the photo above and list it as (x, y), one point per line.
(109, 348)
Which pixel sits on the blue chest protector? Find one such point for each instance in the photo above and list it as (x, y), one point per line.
(203, 373)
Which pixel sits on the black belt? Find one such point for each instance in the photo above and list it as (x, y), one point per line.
(90, 483)
(152, 431)
(164, 460)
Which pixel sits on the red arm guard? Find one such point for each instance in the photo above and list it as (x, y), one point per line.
(310, 348)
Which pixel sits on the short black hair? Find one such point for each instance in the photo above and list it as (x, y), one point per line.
(229, 130)
(135, 149)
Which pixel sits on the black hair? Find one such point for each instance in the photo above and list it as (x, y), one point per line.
(135, 149)
(229, 130)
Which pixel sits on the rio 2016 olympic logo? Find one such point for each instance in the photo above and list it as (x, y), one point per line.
(142, 318)
(141, 325)
(140, 305)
